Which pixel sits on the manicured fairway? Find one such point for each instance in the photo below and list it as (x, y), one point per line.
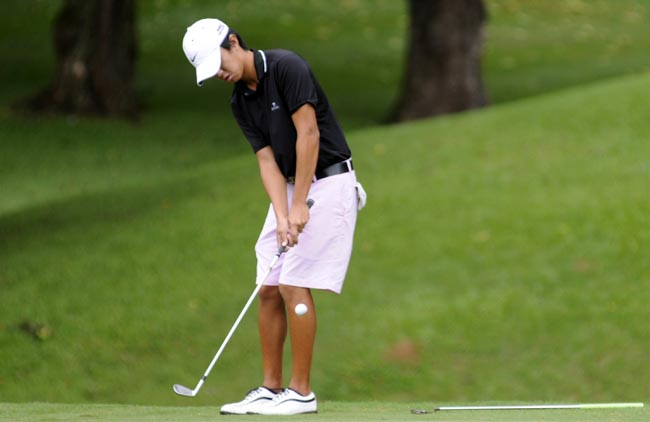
(329, 411)
(503, 254)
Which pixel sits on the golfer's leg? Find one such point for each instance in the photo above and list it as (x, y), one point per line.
(272, 322)
(303, 333)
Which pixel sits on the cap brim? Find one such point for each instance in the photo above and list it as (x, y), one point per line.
(209, 67)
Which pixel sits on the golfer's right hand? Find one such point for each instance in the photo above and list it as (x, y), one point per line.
(283, 236)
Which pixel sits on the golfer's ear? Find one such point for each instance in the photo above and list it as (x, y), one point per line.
(232, 39)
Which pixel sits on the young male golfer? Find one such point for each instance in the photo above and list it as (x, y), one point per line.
(302, 154)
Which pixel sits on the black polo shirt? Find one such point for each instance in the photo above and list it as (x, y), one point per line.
(264, 115)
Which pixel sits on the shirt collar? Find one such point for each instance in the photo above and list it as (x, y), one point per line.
(260, 64)
(261, 68)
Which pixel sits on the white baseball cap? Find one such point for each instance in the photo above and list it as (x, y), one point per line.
(202, 46)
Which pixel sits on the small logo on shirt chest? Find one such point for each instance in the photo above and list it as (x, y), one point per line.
(274, 106)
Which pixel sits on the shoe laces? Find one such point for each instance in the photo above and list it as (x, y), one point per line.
(286, 392)
(254, 393)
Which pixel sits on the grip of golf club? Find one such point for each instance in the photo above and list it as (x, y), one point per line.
(283, 248)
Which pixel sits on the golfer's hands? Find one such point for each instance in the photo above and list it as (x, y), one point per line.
(298, 218)
(282, 232)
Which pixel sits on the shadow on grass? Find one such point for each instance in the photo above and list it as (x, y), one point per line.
(87, 211)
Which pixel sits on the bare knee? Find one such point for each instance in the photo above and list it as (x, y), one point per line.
(270, 294)
(293, 295)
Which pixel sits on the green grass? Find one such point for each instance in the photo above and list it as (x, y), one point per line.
(503, 254)
(356, 48)
(501, 257)
(329, 411)
(535, 47)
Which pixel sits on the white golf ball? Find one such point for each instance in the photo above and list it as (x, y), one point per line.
(301, 309)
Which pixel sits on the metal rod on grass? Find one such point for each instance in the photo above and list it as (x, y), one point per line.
(544, 406)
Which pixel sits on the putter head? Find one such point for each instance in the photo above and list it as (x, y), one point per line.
(183, 391)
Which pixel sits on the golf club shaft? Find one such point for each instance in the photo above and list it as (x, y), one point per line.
(281, 250)
(239, 318)
(544, 406)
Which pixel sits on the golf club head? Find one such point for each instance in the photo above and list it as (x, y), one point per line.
(183, 391)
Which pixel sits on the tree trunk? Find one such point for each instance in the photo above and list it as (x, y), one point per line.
(95, 47)
(443, 72)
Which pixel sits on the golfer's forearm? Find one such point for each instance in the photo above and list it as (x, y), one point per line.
(274, 183)
(307, 146)
(306, 158)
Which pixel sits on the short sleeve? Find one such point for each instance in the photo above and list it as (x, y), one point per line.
(296, 83)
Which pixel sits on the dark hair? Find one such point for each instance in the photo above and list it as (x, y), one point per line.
(226, 42)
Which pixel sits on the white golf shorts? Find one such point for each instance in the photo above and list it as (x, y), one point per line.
(321, 257)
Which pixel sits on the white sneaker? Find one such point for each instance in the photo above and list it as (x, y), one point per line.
(289, 402)
(254, 399)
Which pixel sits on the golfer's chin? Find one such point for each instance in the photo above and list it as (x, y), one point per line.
(228, 78)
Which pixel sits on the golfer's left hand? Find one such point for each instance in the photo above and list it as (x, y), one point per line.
(298, 219)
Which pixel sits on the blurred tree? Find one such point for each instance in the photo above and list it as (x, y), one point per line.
(95, 47)
(443, 69)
